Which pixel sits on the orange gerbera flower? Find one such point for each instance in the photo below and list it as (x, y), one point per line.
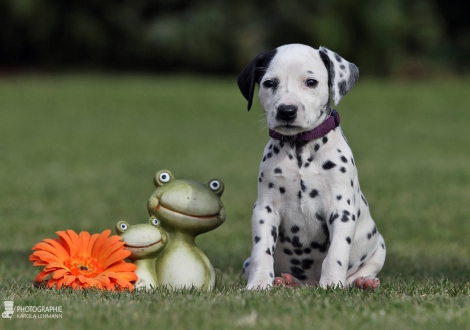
(84, 261)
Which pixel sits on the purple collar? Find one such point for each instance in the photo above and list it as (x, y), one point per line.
(324, 128)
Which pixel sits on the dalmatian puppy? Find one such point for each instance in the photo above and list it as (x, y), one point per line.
(311, 223)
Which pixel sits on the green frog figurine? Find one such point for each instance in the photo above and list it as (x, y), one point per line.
(186, 209)
(146, 242)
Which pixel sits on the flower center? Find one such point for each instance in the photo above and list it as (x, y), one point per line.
(83, 265)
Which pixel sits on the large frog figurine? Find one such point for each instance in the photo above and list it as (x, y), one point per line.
(186, 209)
(146, 242)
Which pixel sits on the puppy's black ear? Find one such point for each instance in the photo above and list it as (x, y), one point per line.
(253, 73)
(341, 74)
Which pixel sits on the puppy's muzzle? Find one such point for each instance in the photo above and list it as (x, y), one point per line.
(286, 113)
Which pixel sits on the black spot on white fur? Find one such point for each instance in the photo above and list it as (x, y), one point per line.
(328, 165)
(307, 263)
(274, 233)
(296, 242)
(333, 217)
(295, 261)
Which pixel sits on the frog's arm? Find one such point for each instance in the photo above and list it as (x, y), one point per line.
(211, 281)
(146, 274)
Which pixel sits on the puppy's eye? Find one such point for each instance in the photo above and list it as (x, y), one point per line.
(268, 83)
(311, 83)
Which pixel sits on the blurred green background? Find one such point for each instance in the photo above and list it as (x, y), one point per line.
(96, 96)
(412, 38)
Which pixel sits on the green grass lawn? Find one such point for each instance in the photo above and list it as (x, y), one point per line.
(80, 151)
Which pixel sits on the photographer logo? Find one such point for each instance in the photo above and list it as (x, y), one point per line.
(9, 309)
(31, 312)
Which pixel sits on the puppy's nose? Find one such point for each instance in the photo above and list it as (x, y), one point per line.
(286, 112)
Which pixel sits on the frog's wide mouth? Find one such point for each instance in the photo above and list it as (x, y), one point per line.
(199, 217)
(141, 247)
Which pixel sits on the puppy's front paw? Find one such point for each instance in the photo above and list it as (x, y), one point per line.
(259, 283)
(261, 286)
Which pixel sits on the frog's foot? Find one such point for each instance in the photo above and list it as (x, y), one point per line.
(366, 282)
(288, 281)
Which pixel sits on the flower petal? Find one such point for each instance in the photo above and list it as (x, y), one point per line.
(82, 278)
(69, 279)
(119, 255)
(100, 241)
(84, 241)
(67, 242)
(61, 252)
(53, 266)
(103, 279)
(92, 243)
(46, 256)
(41, 276)
(60, 282)
(122, 267)
(75, 248)
(51, 282)
(108, 250)
(60, 273)
(46, 252)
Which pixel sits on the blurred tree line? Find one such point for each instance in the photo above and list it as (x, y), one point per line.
(383, 37)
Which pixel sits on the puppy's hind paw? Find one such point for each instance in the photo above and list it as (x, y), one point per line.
(288, 281)
(367, 282)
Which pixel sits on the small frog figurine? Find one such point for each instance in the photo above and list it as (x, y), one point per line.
(146, 242)
(185, 210)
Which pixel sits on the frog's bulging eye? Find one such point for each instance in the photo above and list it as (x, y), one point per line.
(164, 177)
(123, 226)
(155, 222)
(214, 185)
